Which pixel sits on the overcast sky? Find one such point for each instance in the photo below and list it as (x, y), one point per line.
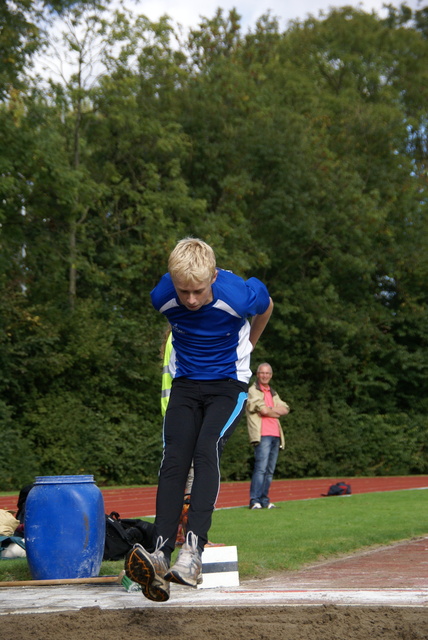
(188, 12)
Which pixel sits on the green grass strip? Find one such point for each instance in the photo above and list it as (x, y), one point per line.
(303, 532)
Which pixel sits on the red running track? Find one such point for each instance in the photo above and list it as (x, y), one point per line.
(140, 502)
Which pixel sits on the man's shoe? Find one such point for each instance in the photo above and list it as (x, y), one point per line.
(148, 569)
(187, 569)
(271, 505)
(256, 505)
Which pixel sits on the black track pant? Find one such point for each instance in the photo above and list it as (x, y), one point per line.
(200, 418)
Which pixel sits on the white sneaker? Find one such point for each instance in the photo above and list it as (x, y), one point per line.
(256, 505)
(148, 570)
(271, 505)
(187, 569)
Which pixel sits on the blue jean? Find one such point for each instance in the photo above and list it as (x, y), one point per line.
(265, 457)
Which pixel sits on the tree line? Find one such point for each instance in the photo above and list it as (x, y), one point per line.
(300, 155)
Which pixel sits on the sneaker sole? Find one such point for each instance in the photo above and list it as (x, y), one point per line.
(174, 576)
(139, 568)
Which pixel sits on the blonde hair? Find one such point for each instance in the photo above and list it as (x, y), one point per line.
(192, 260)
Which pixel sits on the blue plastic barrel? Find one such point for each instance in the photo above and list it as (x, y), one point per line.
(64, 527)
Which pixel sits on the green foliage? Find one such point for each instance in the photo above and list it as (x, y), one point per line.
(19, 462)
(19, 38)
(237, 458)
(300, 156)
(336, 441)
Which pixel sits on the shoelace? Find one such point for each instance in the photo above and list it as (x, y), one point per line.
(158, 555)
(192, 542)
(160, 542)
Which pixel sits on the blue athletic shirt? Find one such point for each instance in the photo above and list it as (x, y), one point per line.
(212, 343)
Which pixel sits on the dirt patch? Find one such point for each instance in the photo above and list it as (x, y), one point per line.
(223, 623)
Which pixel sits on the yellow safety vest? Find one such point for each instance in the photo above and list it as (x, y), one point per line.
(166, 376)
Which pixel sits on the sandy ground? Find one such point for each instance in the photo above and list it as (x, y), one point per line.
(378, 594)
(326, 622)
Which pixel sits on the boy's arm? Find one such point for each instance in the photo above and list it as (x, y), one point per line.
(259, 323)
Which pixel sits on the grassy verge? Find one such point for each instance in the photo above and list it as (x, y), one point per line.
(301, 532)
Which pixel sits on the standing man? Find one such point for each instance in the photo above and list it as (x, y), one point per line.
(208, 310)
(264, 408)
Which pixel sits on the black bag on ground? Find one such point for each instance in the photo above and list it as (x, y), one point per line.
(339, 489)
(123, 533)
(22, 499)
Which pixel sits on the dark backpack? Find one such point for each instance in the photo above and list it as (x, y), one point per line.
(123, 533)
(22, 499)
(339, 489)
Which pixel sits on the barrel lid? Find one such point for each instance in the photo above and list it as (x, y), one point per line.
(63, 479)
